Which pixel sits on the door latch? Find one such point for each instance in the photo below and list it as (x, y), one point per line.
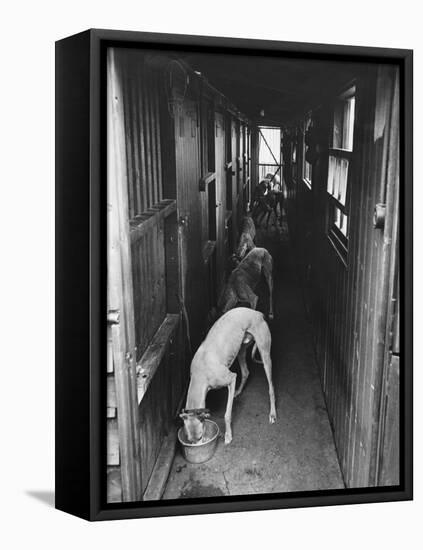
(379, 216)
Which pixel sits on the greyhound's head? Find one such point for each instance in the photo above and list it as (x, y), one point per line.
(194, 423)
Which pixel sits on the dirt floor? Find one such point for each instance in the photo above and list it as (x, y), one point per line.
(298, 452)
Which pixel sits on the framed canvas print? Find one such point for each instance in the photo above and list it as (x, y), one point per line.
(234, 274)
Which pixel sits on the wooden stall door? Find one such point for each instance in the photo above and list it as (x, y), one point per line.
(148, 267)
(221, 253)
(228, 183)
(376, 275)
(236, 215)
(385, 465)
(194, 286)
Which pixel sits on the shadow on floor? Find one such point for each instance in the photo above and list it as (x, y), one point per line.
(46, 497)
(298, 452)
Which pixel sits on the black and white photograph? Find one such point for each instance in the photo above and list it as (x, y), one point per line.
(253, 274)
(211, 265)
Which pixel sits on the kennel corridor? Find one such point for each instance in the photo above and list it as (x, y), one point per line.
(189, 139)
(297, 453)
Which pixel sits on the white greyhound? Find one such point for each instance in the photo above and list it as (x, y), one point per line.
(228, 338)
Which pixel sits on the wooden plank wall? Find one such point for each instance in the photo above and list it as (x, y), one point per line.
(148, 275)
(189, 208)
(141, 96)
(159, 406)
(238, 170)
(174, 255)
(151, 224)
(141, 100)
(347, 304)
(203, 264)
(235, 179)
(121, 368)
(221, 247)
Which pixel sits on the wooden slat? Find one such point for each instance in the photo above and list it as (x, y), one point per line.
(158, 138)
(140, 225)
(172, 263)
(162, 466)
(152, 132)
(147, 139)
(109, 351)
(205, 180)
(113, 458)
(129, 144)
(120, 296)
(111, 392)
(135, 115)
(143, 133)
(142, 143)
(388, 265)
(221, 197)
(153, 355)
(149, 281)
(389, 471)
(152, 425)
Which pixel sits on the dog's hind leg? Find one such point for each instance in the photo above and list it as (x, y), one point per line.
(263, 340)
(253, 299)
(228, 412)
(244, 369)
(246, 295)
(267, 272)
(269, 214)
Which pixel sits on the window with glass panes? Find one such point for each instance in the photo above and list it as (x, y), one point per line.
(339, 163)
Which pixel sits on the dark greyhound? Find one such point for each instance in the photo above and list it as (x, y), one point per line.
(246, 240)
(243, 281)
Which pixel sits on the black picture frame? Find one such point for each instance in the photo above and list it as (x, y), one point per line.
(81, 274)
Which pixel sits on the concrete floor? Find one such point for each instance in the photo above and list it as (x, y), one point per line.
(298, 452)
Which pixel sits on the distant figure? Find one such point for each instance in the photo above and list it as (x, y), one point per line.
(275, 188)
(260, 203)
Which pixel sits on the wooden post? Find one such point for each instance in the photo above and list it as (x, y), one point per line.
(386, 404)
(119, 288)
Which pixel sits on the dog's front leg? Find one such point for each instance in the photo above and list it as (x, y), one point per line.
(267, 364)
(228, 413)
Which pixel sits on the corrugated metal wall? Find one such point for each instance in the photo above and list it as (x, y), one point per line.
(348, 298)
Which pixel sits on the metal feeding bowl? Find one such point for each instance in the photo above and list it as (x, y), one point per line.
(197, 453)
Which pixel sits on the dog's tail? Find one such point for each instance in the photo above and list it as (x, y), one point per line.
(253, 352)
